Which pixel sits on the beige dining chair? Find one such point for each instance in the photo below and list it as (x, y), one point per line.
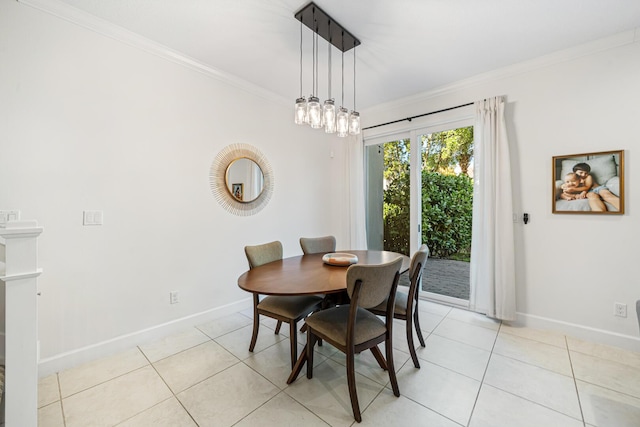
(406, 303)
(289, 309)
(318, 245)
(322, 245)
(351, 328)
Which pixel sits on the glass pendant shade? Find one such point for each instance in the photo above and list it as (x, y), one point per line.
(314, 112)
(310, 110)
(354, 123)
(329, 116)
(300, 111)
(342, 122)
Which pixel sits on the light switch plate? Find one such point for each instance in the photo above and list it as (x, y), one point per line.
(92, 217)
(9, 215)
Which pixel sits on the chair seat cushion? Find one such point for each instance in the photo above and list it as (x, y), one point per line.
(292, 307)
(400, 305)
(332, 323)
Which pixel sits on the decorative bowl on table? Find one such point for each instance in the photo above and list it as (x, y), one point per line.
(340, 259)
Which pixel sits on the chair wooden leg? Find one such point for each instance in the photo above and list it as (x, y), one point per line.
(351, 380)
(278, 327)
(392, 368)
(379, 358)
(412, 346)
(256, 323)
(311, 342)
(298, 366)
(293, 337)
(416, 321)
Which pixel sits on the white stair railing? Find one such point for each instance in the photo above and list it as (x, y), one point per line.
(19, 273)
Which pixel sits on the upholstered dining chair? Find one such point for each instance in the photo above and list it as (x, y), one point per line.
(322, 245)
(406, 303)
(351, 328)
(289, 309)
(318, 245)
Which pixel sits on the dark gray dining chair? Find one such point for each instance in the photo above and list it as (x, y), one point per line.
(318, 245)
(406, 303)
(289, 309)
(351, 328)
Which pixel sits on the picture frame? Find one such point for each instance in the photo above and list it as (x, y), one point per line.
(588, 183)
(237, 190)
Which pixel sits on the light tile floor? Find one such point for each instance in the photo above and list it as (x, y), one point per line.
(474, 373)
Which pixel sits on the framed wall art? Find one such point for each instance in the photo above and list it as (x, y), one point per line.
(238, 191)
(589, 183)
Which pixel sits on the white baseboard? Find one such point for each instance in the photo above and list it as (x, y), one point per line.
(79, 356)
(586, 333)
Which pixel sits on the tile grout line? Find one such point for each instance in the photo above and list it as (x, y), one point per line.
(64, 419)
(575, 382)
(529, 400)
(475, 402)
(165, 383)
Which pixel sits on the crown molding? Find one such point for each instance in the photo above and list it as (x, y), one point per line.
(86, 20)
(569, 54)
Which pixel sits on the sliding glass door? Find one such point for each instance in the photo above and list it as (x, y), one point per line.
(419, 190)
(388, 200)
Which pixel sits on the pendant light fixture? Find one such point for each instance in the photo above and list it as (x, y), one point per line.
(354, 116)
(314, 111)
(311, 112)
(342, 120)
(329, 107)
(301, 103)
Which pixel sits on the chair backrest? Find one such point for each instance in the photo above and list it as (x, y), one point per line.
(418, 262)
(377, 281)
(262, 254)
(317, 245)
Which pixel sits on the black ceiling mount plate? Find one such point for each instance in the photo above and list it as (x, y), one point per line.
(326, 27)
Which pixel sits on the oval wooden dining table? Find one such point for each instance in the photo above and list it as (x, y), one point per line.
(308, 274)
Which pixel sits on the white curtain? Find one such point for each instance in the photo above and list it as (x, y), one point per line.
(354, 163)
(492, 249)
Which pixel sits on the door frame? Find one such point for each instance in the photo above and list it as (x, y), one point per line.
(454, 119)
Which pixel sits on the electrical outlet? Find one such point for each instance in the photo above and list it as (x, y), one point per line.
(620, 309)
(173, 297)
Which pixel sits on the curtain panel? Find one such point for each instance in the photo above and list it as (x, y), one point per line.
(355, 192)
(492, 287)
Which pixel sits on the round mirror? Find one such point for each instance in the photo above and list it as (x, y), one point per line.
(244, 179)
(241, 179)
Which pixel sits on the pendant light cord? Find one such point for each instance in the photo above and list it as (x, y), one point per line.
(354, 78)
(313, 53)
(300, 59)
(329, 61)
(342, 102)
(315, 90)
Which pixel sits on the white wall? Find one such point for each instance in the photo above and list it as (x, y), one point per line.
(91, 123)
(570, 268)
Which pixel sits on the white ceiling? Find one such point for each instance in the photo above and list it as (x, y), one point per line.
(408, 46)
